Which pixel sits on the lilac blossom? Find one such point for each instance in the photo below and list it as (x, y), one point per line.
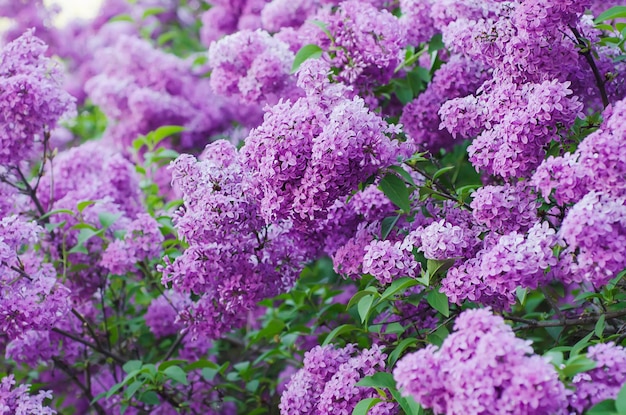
(594, 235)
(252, 66)
(17, 399)
(481, 368)
(602, 382)
(32, 100)
(514, 260)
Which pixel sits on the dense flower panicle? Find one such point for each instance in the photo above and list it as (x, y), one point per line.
(602, 382)
(32, 100)
(163, 311)
(309, 153)
(252, 66)
(418, 25)
(141, 88)
(602, 155)
(348, 258)
(387, 260)
(35, 347)
(90, 172)
(444, 240)
(221, 219)
(421, 119)
(142, 242)
(594, 234)
(515, 260)
(365, 45)
(278, 14)
(524, 119)
(226, 17)
(344, 217)
(16, 400)
(302, 393)
(504, 209)
(326, 383)
(481, 369)
(31, 298)
(561, 178)
(341, 394)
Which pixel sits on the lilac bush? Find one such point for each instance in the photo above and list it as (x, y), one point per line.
(313, 207)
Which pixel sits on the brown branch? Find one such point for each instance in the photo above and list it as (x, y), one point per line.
(100, 350)
(68, 371)
(568, 322)
(586, 52)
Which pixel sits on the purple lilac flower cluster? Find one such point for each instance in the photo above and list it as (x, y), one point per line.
(32, 100)
(141, 88)
(510, 261)
(253, 66)
(327, 382)
(32, 297)
(602, 382)
(306, 153)
(221, 219)
(18, 400)
(481, 368)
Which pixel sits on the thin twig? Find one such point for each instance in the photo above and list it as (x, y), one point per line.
(568, 322)
(586, 52)
(86, 390)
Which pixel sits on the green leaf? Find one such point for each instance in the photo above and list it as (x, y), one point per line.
(107, 219)
(132, 389)
(405, 174)
(521, 294)
(169, 363)
(360, 294)
(439, 302)
(386, 226)
(620, 401)
(398, 286)
(403, 90)
(150, 398)
(322, 26)
(121, 18)
(273, 327)
(363, 407)
(364, 307)
(177, 374)
(200, 364)
(436, 43)
(435, 267)
(84, 205)
(152, 11)
(309, 51)
(556, 357)
(132, 365)
(578, 364)
(582, 343)
(113, 390)
(83, 236)
(409, 406)
(442, 171)
(378, 380)
(56, 212)
(400, 348)
(606, 407)
(344, 328)
(162, 133)
(394, 188)
(599, 328)
(613, 13)
(52, 226)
